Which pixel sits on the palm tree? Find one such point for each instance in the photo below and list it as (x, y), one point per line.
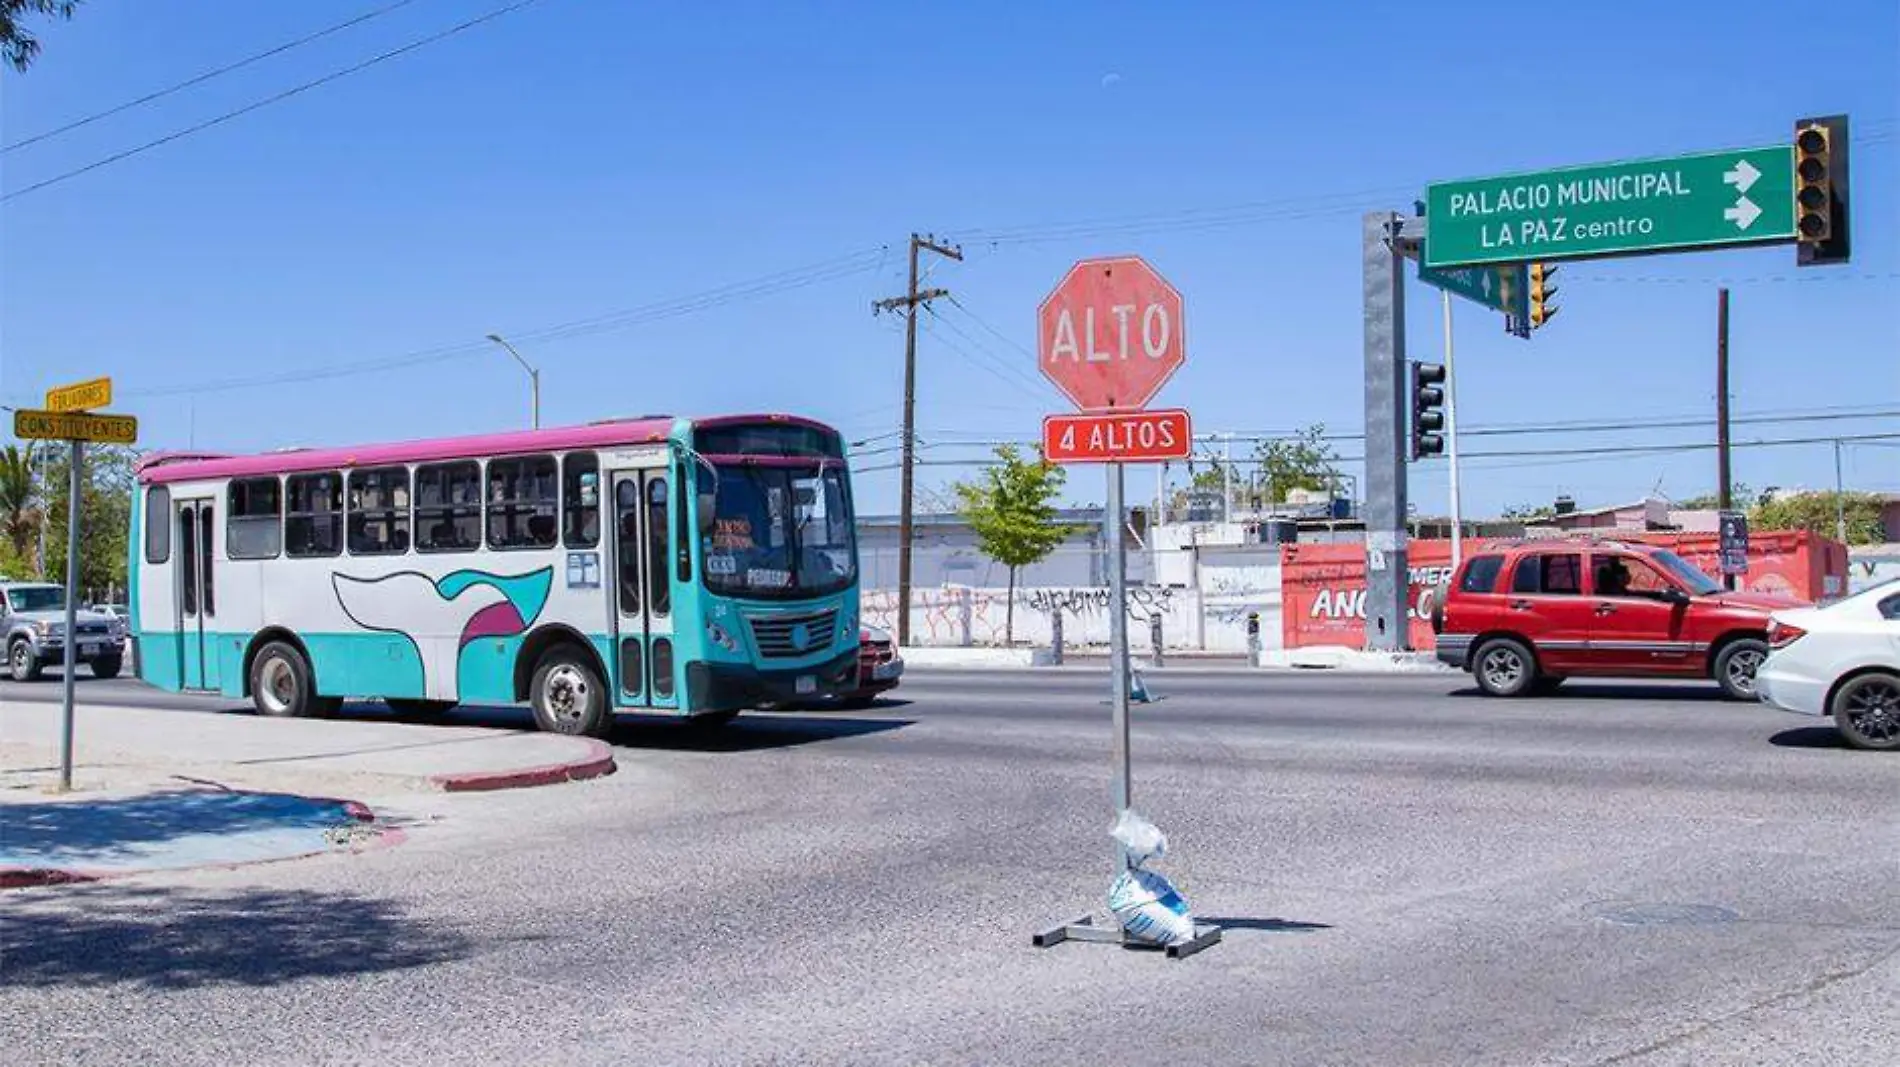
(19, 511)
(18, 46)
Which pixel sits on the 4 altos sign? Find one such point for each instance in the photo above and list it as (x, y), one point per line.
(1744, 196)
(1131, 437)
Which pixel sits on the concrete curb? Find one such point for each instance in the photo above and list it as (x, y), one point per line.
(597, 763)
(41, 877)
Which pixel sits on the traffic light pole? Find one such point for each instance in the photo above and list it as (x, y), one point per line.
(1382, 238)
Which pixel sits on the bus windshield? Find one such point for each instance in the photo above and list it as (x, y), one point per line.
(781, 533)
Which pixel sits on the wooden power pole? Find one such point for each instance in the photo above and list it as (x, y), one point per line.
(909, 302)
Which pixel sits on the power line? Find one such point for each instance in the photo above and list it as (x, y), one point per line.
(1004, 371)
(207, 75)
(1545, 454)
(734, 292)
(269, 100)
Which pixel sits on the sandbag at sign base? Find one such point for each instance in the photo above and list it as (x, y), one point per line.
(1149, 910)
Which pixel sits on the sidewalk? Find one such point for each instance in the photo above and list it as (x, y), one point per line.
(168, 790)
(345, 756)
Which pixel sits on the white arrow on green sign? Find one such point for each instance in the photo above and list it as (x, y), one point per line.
(1710, 199)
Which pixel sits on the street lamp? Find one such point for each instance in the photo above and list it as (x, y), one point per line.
(534, 377)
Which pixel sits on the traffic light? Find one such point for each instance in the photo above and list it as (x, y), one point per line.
(1428, 416)
(1541, 292)
(1820, 191)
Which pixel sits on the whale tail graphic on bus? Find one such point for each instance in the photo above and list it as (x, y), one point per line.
(471, 604)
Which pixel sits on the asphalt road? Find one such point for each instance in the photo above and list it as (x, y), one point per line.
(1408, 873)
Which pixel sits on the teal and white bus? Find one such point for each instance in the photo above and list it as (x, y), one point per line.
(690, 567)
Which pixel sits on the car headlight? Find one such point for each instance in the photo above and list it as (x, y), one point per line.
(48, 629)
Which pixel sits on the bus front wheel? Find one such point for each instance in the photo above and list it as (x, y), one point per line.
(568, 695)
(283, 687)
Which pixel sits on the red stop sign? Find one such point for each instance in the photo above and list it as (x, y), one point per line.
(1110, 334)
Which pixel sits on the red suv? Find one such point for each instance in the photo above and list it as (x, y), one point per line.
(1522, 618)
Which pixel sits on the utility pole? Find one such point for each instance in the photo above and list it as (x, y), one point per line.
(1724, 500)
(1840, 497)
(909, 302)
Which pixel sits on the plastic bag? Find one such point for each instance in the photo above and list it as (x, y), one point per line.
(1144, 902)
(1141, 840)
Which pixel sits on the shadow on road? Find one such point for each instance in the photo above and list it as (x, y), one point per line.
(164, 938)
(1810, 737)
(1571, 690)
(106, 831)
(748, 733)
(1276, 926)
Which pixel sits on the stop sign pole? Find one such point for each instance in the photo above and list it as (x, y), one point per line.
(1108, 336)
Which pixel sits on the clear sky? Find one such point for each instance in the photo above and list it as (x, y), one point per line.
(608, 183)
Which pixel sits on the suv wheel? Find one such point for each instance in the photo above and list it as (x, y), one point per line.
(1736, 665)
(21, 661)
(1504, 667)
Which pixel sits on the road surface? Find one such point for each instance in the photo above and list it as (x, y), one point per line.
(1408, 873)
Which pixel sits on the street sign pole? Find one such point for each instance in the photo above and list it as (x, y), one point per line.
(1109, 335)
(1451, 438)
(72, 620)
(1118, 647)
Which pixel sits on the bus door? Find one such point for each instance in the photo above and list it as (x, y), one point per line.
(194, 593)
(643, 600)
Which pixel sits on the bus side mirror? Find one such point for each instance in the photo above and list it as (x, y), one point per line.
(708, 508)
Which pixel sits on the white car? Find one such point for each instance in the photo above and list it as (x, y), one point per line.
(1841, 660)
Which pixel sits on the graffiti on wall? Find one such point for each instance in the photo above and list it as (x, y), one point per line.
(1142, 601)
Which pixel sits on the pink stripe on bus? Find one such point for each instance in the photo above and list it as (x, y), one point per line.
(163, 468)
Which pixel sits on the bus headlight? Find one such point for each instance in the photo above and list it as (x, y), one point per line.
(718, 635)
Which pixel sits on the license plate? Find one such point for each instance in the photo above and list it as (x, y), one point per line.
(807, 683)
(89, 649)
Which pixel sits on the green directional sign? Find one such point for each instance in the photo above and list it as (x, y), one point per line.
(1709, 199)
(1505, 287)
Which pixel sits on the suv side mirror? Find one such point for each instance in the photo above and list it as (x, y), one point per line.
(1673, 595)
(708, 508)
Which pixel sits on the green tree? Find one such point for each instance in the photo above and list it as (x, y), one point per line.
(1818, 512)
(105, 516)
(16, 44)
(1529, 512)
(19, 507)
(1012, 509)
(1304, 461)
(1740, 494)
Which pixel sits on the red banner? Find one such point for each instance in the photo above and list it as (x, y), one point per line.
(1129, 437)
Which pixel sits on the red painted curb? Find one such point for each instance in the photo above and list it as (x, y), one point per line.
(598, 763)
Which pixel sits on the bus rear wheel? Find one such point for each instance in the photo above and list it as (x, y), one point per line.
(283, 687)
(568, 695)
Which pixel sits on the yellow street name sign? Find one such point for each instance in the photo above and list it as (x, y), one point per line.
(66, 426)
(80, 396)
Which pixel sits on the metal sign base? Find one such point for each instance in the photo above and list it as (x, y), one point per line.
(1084, 929)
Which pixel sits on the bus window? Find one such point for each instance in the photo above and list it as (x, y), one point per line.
(313, 515)
(659, 595)
(627, 545)
(580, 499)
(158, 524)
(253, 528)
(521, 502)
(449, 507)
(379, 511)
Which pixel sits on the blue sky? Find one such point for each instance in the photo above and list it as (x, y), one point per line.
(576, 161)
